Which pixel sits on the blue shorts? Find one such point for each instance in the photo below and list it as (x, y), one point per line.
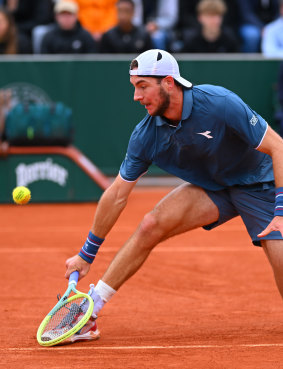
(255, 205)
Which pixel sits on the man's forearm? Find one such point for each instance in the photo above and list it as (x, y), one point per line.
(108, 211)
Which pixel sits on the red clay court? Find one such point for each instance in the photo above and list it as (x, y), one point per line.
(202, 300)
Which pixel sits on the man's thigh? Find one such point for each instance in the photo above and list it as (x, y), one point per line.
(186, 207)
(274, 252)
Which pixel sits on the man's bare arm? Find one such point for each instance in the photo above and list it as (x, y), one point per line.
(109, 208)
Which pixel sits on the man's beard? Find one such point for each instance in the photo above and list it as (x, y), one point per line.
(165, 102)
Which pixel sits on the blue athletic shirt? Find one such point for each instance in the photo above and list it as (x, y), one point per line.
(213, 145)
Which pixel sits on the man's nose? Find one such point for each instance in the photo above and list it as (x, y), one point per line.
(137, 95)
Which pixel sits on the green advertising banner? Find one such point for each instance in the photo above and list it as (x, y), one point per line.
(51, 178)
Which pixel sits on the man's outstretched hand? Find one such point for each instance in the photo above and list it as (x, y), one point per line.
(77, 263)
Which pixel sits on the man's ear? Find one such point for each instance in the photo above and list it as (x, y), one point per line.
(168, 82)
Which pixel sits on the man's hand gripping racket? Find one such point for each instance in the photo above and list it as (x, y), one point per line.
(67, 317)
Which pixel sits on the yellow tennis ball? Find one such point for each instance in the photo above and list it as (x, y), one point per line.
(21, 195)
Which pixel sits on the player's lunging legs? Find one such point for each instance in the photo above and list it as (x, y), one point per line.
(185, 208)
(274, 252)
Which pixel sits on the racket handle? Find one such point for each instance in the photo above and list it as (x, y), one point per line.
(74, 277)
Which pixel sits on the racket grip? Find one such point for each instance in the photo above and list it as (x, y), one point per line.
(74, 277)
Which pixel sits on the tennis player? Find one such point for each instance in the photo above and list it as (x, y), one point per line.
(229, 157)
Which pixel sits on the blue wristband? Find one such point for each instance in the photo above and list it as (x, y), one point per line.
(278, 202)
(90, 248)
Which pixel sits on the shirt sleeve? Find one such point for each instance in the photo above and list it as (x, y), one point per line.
(136, 161)
(244, 121)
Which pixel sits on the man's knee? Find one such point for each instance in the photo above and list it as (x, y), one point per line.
(151, 227)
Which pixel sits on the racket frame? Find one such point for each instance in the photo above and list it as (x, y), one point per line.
(63, 301)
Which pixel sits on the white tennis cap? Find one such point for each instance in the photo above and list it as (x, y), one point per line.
(158, 63)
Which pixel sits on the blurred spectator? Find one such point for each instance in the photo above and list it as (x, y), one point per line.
(138, 19)
(38, 34)
(188, 20)
(97, 16)
(272, 39)
(254, 15)
(187, 14)
(8, 33)
(5, 106)
(28, 14)
(68, 37)
(138, 14)
(125, 37)
(211, 36)
(10, 41)
(231, 17)
(160, 17)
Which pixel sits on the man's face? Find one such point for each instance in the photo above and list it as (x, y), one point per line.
(211, 21)
(4, 25)
(66, 20)
(151, 94)
(125, 13)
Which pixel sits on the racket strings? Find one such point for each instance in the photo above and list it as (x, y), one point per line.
(64, 319)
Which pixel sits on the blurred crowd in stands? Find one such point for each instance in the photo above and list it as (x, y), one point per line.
(132, 26)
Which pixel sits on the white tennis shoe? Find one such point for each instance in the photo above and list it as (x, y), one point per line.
(88, 332)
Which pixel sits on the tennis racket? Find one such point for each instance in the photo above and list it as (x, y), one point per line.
(67, 317)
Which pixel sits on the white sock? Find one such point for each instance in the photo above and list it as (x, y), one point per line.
(104, 291)
(98, 303)
(100, 294)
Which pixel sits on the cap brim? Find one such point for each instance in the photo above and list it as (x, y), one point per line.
(183, 82)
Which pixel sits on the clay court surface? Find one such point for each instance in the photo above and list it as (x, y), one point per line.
(201, 300)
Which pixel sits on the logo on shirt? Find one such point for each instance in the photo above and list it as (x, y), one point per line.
(205, 134)
(253, 120)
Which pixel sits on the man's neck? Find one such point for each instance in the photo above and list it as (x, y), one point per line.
(126, 27)
(175, 109)
(211, 35)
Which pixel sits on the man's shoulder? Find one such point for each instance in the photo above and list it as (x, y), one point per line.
(112, 36)
(274, 25)
(211, 90)
(192, 38)
(218, 96)
(112, 31)
(52, 32)
(137, 31)
(80, 30)
(146, 123)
